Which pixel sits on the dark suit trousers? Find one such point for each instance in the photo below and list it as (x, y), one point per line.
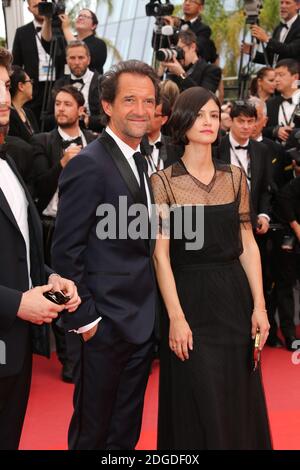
(110, 384)
(14, 393)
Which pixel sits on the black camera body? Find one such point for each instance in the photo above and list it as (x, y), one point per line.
(293, 146)
(252, 10)
(157, 8)
(168, 54)
(52, 9)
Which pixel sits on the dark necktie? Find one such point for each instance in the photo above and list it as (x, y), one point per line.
(76, 80)
(3, 151)
(289, 100)
(283, 25)
(141, 165)
(157, 145)
(66, 143)
(241, 147)
(38, 29)
(185, 24)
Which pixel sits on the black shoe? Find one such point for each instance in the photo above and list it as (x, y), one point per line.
(67, 372)
(292, 343)
(274, 342)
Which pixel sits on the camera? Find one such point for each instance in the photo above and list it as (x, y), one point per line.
(252, 10)
(156, 8)
(57, 297)
(293, 146)
(167, 55)
(51, 9)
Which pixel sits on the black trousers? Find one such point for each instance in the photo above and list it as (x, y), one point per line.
(110, 385)
(14, 393)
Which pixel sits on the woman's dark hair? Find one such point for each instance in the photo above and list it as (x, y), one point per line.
(108, 84)
(18, 75)
(185, 112)
(259, 76)
(71, 90)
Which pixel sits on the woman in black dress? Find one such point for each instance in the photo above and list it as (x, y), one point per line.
(210, 398)
(22, 121)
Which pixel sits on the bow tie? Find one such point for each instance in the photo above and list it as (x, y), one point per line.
(188, 24)
(76, 80)
(241, 147)
(157, 145)
(3, 151)
(289, 100)
(283, 25)
(66, 143)
(38, 29)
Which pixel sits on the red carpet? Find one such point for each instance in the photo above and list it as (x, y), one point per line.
(50, 404)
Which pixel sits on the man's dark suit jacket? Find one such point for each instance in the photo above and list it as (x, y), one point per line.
(260, 174)
(169, 153)
(94, 104)
(202, 74)
(206, 46)
(273, 105)
(115, 277)
(47, 153)
(289, 49)
(15, 332)
(25, 53)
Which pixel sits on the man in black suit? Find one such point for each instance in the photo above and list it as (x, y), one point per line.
(23, 307)
(51, 153)
(282, 109)
(192, 70)
(86, 81)
(237, 148)
(112, 263)
(157, 147)
(29, 53)
(285, 40)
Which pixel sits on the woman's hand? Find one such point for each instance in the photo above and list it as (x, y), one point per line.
(260, 322)
(180, 338)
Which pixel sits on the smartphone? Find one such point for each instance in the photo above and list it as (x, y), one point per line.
(57, 297)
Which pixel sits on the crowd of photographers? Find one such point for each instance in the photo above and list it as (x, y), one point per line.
(55, 88)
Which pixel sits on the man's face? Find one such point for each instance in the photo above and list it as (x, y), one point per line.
(157, 121)
(192, 8)
(5, 100)
(284, 80)
(260, 122)
(242, 127)
(33, 8)
(189, 53)
(84, 21)
(66, 110)
(78, 60)
(133, 108)
(288, 9)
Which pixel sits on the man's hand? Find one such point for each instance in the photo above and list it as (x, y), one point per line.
(296, 167)
(90, 333)
(283, 132)
(68, 288)
(263, 225)
(65, 21)
(259, 33)
(70, 153)
(174, 67)
(35, 308)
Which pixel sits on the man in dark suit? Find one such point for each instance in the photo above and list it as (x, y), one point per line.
(23, 307)
(282, 110)
(237, 148)
(285, 40)
(29, 53)
(51, 153)
(112, 265)
(157, 147)
(86, 81)
(193, 70)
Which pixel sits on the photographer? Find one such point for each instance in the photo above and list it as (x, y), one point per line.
(289, 205)
(285, 40)
(85, 25)
(192, 70)
(192, 10)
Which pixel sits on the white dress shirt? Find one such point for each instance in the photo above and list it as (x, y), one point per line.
(128, 153)
(287, 109)
(85, 88)
(44, 58)
(154, 162)
(285, 31)
(17, 201)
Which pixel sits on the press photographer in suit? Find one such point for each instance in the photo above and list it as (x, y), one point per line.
(285, 40)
